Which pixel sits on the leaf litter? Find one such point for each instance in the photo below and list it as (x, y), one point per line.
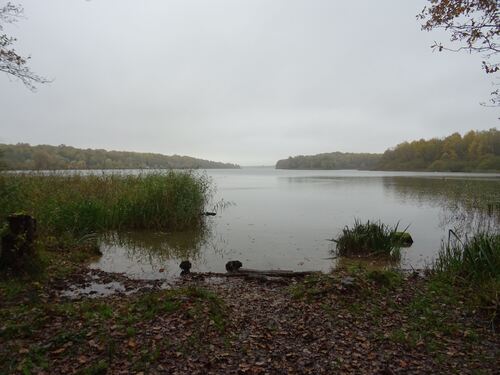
(344, 322)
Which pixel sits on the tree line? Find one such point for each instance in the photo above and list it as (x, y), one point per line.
(23, 156)
(332, 160)
(475, 151)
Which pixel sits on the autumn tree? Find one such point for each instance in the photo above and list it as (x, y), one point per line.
(475, 151)
(11, 62)
(474, 26)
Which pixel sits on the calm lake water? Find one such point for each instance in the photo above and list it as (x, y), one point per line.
(282, 219)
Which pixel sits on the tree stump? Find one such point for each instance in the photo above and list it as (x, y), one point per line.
(233, 266)
(17, 244)
(186, 267)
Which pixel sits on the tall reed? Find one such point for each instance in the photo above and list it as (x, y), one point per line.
(473, 267)
(79, 204)
(474, 260)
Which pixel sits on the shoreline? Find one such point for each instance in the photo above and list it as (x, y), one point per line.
(349, 321)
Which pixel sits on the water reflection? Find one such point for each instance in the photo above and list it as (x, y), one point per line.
(326, 181)
(467, 205)
(148, 254)
(161, 246)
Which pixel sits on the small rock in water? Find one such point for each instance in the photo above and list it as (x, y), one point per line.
(185, 266)
(233, 265)
(404, 238)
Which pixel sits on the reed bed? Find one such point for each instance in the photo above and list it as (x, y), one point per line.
(81, 204)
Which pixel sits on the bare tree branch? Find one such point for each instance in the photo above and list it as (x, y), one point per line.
(475, 24)
(11, 62)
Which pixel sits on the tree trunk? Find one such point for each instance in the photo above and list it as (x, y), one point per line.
(18, 241)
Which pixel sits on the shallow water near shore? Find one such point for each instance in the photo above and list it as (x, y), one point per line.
(283, 219)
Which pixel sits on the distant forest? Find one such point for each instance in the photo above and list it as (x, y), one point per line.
(332, 160)
(43, 157)
(475, 151)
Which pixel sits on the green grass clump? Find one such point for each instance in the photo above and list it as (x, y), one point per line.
(473, 265)
(475, 260)
(385, 278)
(369, 239)
(76, 205)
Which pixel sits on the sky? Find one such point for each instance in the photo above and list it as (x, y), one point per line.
(243, 81)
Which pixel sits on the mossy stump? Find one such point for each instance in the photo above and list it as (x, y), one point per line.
(18, 241)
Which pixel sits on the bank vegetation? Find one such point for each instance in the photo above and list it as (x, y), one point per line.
(23, 156)
(476, 151)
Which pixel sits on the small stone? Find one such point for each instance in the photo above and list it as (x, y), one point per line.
(185, 266)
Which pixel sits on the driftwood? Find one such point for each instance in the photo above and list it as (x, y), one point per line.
(234, 269)
(270, 276)
(269, 273)
(266, 279)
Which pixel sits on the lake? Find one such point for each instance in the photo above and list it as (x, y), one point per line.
(283, 219)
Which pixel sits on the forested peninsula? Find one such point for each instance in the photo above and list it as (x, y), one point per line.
(23, 156)
(332, 160)
(476, 151)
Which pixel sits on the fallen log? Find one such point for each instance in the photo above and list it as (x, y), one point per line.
(270, 273)
(234, 269)
(264, 276)
(266, 279)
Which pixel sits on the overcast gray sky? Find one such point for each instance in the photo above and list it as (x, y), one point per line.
(239, 81)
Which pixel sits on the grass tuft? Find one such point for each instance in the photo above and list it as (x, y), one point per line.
(371, 239)
(388, 279)
(473, 265)
(476, 260)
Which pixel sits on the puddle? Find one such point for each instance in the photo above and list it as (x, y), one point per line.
(96, 283)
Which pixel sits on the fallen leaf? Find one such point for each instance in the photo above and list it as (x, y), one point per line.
(82, 359)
